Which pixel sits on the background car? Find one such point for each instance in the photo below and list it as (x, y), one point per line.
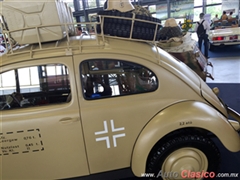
(225, 36)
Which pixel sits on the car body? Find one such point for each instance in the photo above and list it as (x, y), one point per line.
(221, 37)
(87, 105)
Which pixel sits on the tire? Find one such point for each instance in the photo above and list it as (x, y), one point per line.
(121, 27)
(186, 151)
(129, 15)
(121, 30)
(118, 14)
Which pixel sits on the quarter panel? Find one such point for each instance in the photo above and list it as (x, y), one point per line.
(187, 114)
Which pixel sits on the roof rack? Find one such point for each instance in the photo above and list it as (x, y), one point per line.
(99, 28)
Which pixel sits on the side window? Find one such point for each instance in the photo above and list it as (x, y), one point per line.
(34, 86)
(107, 78)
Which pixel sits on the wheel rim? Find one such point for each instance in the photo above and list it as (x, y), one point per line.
(188, 159)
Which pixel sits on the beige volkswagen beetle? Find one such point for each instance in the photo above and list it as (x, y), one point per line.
(86, 106)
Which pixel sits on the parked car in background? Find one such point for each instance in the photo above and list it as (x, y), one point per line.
(224, 35)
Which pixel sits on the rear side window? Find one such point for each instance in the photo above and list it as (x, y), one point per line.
(34, 86)
(108, 78)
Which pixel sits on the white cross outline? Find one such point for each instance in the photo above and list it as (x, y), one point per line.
(105, 131)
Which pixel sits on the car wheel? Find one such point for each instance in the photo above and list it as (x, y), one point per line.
(181, 154)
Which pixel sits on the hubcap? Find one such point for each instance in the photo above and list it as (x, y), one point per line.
(184, 162)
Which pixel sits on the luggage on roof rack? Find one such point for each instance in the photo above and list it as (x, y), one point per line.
(128, 25)
(32, 23)
(37, 21)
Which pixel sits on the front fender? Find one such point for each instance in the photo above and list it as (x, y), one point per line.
(182, 115)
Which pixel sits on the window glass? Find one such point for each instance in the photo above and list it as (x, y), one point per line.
(34, 75)
(161, 10)
(152, 9)
(8, 82)
(23, 73)
(197, 11)
(8, 79)
(91, 4)
(231, 6)
(213, 10)
(101, 2)
(81, 5)
(198, 2)
(182, 8)
(107, 78)
(34, 86)
(213, 1)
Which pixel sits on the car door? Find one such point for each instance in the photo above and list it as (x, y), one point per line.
(112, 122)
(41, 134)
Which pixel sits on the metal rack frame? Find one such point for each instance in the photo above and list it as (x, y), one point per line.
(13, 46)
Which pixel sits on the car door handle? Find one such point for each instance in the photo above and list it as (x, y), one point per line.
(68, 120)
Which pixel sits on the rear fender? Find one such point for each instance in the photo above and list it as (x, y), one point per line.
(189, 114)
